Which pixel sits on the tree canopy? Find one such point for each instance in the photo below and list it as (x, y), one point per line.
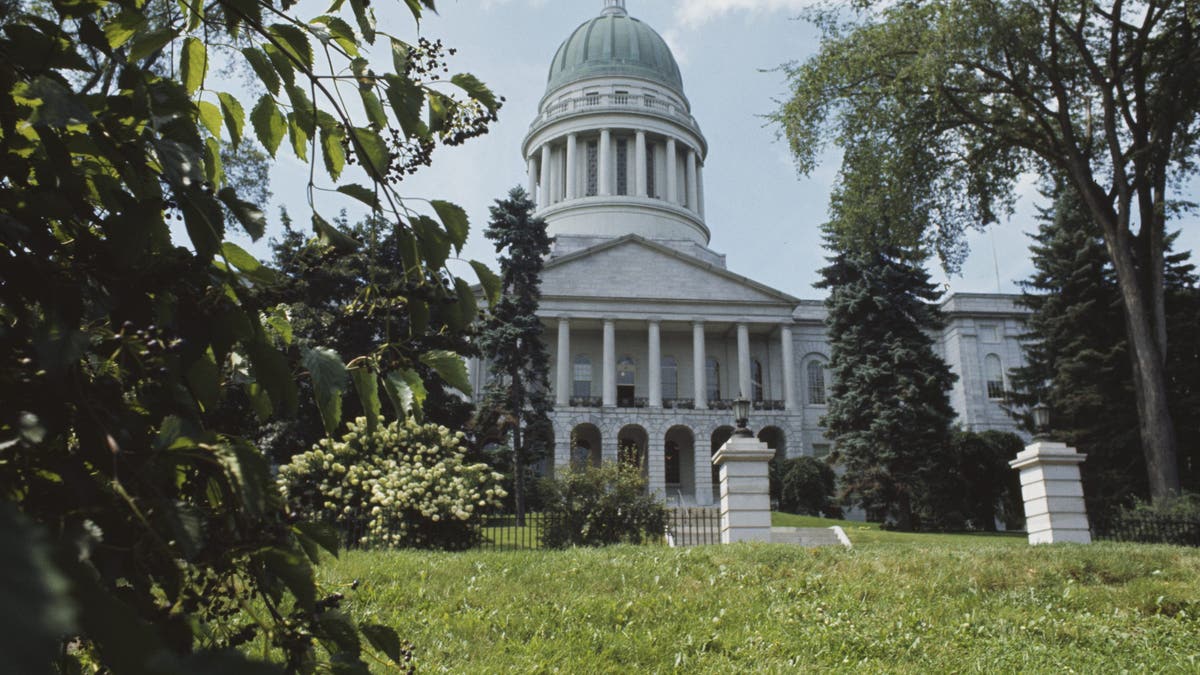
(155, 533)
(946, 103)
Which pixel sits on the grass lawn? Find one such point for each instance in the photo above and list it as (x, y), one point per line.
(861, 533)
(895, 603)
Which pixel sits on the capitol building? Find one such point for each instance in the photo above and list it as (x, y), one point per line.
(650, 334)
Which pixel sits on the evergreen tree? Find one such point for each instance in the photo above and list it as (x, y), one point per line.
(889, 412)
(1077, 358)
(516, 404)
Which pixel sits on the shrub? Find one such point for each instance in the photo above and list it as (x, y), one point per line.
(599, 506)
(405, 484)
(805, 485)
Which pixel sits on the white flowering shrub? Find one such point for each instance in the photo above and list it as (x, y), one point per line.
(405, 485)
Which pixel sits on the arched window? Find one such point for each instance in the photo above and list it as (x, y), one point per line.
(626, 372)
(993, 371)
(712, 373)
(583, 377)
(815, 374)
(756, 380)
(670, 377)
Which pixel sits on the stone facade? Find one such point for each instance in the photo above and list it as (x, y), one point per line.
(650, 336)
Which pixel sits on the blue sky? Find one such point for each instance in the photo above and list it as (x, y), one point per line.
(762, 215)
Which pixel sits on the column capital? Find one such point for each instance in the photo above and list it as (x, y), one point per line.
(654, 319)
(698, 321)
(563, 317)
(608, 319)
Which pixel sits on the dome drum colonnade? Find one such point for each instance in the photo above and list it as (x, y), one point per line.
(614, 148)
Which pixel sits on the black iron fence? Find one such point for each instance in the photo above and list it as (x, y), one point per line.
(506, 532)
(693, 527)
(1147, 530)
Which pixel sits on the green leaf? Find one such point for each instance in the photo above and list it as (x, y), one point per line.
(433, 242)
(407, 100)
(477, 90)
(213, 171)
(235, 116)
(193, 64)
(450, 367)
(38, 608)
(273, 372)
(465, 306)
(205, 225)
(278, 320)
(401, 54)
(239, 258)
(294, 42)
(186, 524)
(406, 392)
(295, 572)
(373, 107)
(341, 32)
(204, 380)
(340, 636)
(366, 382)
(384, 639)
(283, 65)
(374, 152)
(249, 215)
(489, 281)
(332, 150)
(455, 220)
(331, 236)
(327, 536)
(260, 401)
(362, 194)
(123, 27)
(150, 43)
(262, 67)
(329, 383)
(269, 123)
(210, 117)
(439, 112)
(366, 19)
(298, 138)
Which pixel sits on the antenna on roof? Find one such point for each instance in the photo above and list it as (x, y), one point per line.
(614, 7)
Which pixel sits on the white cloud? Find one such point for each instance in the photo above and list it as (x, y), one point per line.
(695, 13)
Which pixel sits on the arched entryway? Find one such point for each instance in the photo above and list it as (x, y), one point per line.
(585, 445)
(679, 458)
(719, 437)
(632, 444)
(775, 440)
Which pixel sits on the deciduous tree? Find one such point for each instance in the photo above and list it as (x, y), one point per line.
(956, 100)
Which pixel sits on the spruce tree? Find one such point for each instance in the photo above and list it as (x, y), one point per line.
(889, 412)
(1077, 359)
(516, 404)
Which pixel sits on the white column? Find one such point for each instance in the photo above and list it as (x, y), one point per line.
(789, 368)
(692, 193)
(1053, 492)
(656, 466)
(545, 191)
(562, 391)
(533, 180)
(745, 490)
(655, 373)
(572, 167)
(473, 375)
(698, 367)
(639, 161)
(610, 364)
(605, 163)
(700, 190)
(702, 466)
(743, 346)
(672, 173)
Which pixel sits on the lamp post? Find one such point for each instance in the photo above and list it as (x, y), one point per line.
(741, 414)
(1041, 422)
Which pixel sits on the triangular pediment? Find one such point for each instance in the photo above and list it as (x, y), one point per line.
(639, 269)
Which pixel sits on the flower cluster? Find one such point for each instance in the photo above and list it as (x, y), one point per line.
(405, 484)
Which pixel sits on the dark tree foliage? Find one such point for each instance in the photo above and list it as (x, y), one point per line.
(148, 534)
(889, 413)
(1077, 357)
(325, 294)
(804, 485)
(516, 405)
(976, 486)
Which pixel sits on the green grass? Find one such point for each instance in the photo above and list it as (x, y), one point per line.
(968, 604)
(861, 533)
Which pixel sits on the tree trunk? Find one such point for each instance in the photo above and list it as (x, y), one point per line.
(1156, 428)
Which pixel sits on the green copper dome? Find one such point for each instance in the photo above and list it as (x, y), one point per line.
(614, 44)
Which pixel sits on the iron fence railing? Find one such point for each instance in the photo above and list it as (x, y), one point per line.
(1147, 530)
(693, 527)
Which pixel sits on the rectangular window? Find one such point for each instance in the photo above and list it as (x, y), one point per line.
(651, 188)
(622, 166)
(593, 154)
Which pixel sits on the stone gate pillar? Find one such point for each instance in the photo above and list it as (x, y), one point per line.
(1053, 493)
(745, 490)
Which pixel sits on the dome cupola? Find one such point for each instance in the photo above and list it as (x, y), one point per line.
(614, 149)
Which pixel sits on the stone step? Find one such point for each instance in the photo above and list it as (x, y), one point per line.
(810, 537)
